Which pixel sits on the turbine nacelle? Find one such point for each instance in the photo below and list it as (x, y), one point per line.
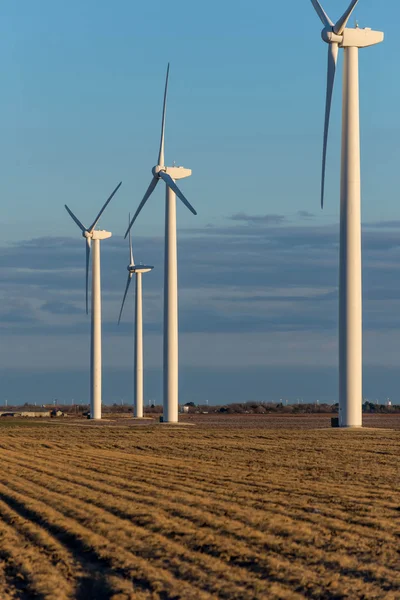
(356, 38)
(101, 234)
(361, 38)
(97, 234)
(178, 172)
(139, 269)
(174, 172)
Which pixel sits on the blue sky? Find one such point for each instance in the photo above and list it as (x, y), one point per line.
(80, 110)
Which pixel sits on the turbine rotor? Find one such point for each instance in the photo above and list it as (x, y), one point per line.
(332, 34)
(160, 171)
(89, 233)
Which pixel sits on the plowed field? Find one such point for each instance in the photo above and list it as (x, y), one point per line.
(197, 512)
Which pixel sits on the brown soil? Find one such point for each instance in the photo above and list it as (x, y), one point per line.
(237, 506)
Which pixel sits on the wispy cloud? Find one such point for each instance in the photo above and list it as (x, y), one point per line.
(58, 307)
(304, 214)
(383, 224)
(263, 219)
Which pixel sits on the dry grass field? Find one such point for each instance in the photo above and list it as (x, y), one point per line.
(243, 508)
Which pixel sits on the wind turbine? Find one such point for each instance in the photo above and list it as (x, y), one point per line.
(137, 270)
(93, 236)
(337, 35)
(170, 352)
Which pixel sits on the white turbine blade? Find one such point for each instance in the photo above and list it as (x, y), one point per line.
(333, 50)
(171, 184)
(123, 301)
(104, 207)
(131, 259)
(88, 240)
(77, 221)
(147, 195)
(161, 153)
(322, 14)
(341, 24)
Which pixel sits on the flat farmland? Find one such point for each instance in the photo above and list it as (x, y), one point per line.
(219, 507)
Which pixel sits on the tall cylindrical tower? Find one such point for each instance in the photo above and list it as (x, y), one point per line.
(170, 401)
(350, 286)
(95, 403)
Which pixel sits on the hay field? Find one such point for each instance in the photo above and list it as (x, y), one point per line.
(198, 512)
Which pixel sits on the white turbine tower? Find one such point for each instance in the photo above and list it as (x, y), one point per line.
(137, 270)
(169, 175)
(93, 236)
(350, 287)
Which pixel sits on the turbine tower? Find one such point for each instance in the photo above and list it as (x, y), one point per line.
(137, 270)
(337, 35)
(93, 236)
(169, 175)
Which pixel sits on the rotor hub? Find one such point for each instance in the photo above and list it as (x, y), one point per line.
(330, 37)
(157, 169)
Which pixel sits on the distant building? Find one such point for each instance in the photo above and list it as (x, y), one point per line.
(33, 414)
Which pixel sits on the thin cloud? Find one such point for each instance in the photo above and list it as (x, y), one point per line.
(263, 219)
(383, 225)
(60, 308)
(304, 214)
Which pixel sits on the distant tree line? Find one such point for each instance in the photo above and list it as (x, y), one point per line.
(372, 407)
(269, 407)
(191, 407)
(279, 407)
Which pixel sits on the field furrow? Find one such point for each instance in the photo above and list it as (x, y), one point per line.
(105, 553)
(151, 541)
(36, 571)
(323, 521)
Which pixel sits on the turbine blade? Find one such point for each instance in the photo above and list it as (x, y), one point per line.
(333, 50)
(147, 195)
(322, 14)
(341, 24)
(161, 153)
(104, 207)
(123, 301)
(77, 221)
(88, 241)
(171, 184)
(131, 259)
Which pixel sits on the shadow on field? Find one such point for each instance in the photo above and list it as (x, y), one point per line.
(92, 585)
(15, 581)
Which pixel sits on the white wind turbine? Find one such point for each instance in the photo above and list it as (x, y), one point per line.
(350, 286)
(137, 270)
(93, 237)
(169, 175)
